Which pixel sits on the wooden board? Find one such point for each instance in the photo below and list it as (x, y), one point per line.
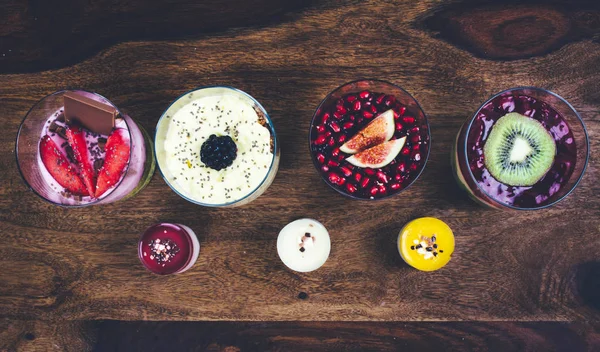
(82, 264)
(80, 336)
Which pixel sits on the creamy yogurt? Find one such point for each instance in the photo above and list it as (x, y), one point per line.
(189, 123)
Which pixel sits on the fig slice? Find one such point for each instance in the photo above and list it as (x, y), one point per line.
(379, 155)
(379, 130)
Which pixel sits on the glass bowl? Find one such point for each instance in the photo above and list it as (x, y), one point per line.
(36, 123)
(229, 104)
(560, 119)
(348, 109)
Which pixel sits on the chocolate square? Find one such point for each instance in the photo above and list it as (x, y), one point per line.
(95, 116)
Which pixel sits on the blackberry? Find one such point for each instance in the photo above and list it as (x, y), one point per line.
(218, 152)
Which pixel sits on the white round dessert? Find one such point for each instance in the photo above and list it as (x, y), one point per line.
(304, 245)
(221, 111)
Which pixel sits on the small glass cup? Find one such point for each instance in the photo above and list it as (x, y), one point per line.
(170, 173)
(533, 102)
(365, 183)
(167, 248)
(137, 173)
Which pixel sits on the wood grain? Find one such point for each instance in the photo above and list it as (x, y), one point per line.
(290, 336)
(82, 264)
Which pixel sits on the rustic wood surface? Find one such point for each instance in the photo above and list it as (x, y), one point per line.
(298, 336)
(82, 264)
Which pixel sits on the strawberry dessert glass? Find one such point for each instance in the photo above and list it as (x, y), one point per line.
(369, 139)
(525, 148)
(75, 148)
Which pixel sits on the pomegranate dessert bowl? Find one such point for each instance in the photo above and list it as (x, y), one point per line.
(168, 248)
(216, 146)
(525, 148)
(75, 148)
(369, 139)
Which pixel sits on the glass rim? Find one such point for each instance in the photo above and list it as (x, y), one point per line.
(271, 129)
(317, 166)
(95, 202)
(585, 135)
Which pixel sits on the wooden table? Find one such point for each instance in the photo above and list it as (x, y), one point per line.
(527, 280)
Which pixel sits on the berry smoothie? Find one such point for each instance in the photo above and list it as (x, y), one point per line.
(518, 151)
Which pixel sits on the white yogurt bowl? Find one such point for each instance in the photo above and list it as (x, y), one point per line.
(223, 111)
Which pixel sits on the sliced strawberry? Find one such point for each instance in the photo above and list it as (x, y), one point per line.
(77, 141)
(59, 167)
(116, 158)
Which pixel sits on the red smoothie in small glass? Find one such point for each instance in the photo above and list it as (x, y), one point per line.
(168, 248)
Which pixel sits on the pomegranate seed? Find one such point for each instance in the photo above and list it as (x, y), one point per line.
(341, 138)
(320, 128)
(415, 139)
(351, 98)
(364, 94)
(341, 157)
(320, 139)
(334, 178)
(398, 177)
(416, 147)
(382, 177)
(335, 127)
(350, 187)
(389, 100)
(416, 156)
(380, 98)
(373, 109)
(325, 117)
(414, 130)
(331, 142)
(395, 186)
(356, 105)
(413, 167)
(357, 177)
(333, 163)
(369, 171)
(352, 117)
(366, 104)
(399, 126)
(350, 166)
(340, 101)
(341, 109)
(338, 115)
(347, 172)
(348, 125)
(396, 115)
(341, 181)
(367, 114)
(409, 120)
(405, 151)
(401, 167)
(365, 181)
(335, 152)
(320, 158)
(402, 110)
(325, 168)
(382, 189)
(374, 190)
(327, 133)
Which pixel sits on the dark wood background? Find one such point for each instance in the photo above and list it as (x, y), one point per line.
(70, 279)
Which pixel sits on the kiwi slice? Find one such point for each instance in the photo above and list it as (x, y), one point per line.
(519, 150)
